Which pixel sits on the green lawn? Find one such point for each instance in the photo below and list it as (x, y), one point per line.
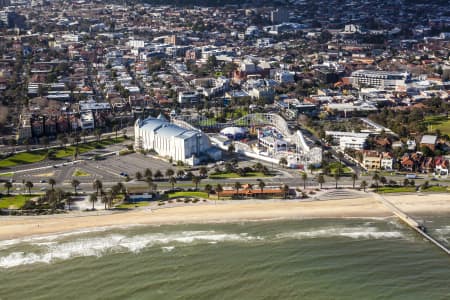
(438, 122)
(81, 173)
(188, 194)
(16, 201)
(335, 165)
(40, 155)
(23, 158)
(437, 189)
(9, 174)
(236, 175)
(400, 189)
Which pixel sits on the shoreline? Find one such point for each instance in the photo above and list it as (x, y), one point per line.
(15, 227)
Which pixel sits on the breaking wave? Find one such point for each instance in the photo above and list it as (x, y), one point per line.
(349, 232)
(98, 246)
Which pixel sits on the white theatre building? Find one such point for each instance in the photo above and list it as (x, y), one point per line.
(173, 141)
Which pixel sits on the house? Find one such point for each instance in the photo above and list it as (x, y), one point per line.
(429, 141)
(407, 163)
(372, 160)
(387, 162)
(441, 166)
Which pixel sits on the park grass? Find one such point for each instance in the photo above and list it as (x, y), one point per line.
(39, 155)
(397, 189)
(188, 194)
(436, 189)
(334, 167)
(80, 173)
(14, 202)
(23, 158)
(441, 123)
(132, 205)
(236, 175)
(9, 174)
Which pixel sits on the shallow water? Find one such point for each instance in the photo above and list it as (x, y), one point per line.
(306, 259)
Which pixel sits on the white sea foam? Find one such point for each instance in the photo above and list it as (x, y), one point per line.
(350, 232)
(167, 249)
(98, 246)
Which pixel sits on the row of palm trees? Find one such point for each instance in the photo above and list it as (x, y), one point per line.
(158, 175)
(107, 197)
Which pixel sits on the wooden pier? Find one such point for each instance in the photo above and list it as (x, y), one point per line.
(419, 228)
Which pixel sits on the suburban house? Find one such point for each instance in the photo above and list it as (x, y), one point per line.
(429, 141)
(372, 160)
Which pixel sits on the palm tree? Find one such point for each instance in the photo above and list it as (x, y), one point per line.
(237, 187)
(75, 153)
(196, 180)
(150, 184)
(219, 189)
(231, 149)
(8, 185)
(75, 183)
(104, 197)
(283, 162)
(169, 172)
(29, 185)
(354, 178)
(52, 183)
(203, 171)
(97, 185)
(93, 199)
(180, 173)
(336, 178)
(98, 134)
(375, 178)
(304, 177)
(363, 185)
(383, 180)
(172, 181)
(138, 176)
(148, 173)
(261, 185)
(321, 180)
(208, 189)
(250, 187)
(116, 129)
(285, 189)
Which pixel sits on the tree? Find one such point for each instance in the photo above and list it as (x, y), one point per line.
(116, 129)
(97, 185)
(104, 197)
(383, 180)
(180, 173)
(98, 134)
(354, 178)
(321, 180)
(285, 189)
(203, 171)
(196, 180)
(304, 177)
(29, 185)
(75, 183)
(363, 185)
(93, 199)
(237, 187)
(283, 162)
(150, 184)
(148, 173)
(231, 149)
(138, 176)
(170, 172)
(336, 178)
(261, 185)
(172, 181)
(52, 183)
(7, 185)
(158, 175)
(208, 189)
(219, 189)
(376, 178)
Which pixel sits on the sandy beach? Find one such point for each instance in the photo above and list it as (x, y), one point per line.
(16, 227)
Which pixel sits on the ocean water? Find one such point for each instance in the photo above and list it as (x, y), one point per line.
(304, 259)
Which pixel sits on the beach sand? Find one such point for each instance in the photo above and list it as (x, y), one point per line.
(21, 226)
